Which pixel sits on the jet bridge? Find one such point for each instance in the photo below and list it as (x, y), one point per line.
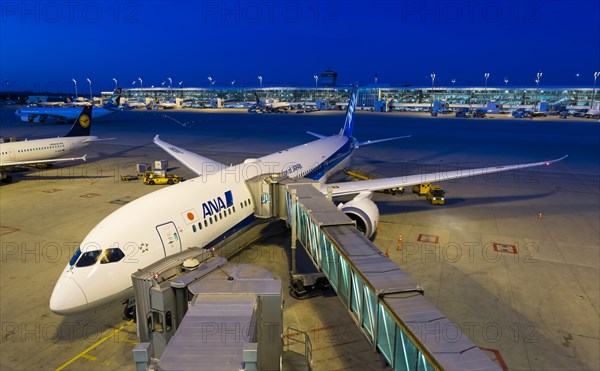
(387, 305)
(196, 313)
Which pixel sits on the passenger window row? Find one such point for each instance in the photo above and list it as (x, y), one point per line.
(215, 218)
(35, 149)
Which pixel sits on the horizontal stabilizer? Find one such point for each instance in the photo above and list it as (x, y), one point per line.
(360, 144)
(316, 135)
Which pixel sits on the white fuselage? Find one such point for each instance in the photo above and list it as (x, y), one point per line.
(38, 114)
(197, 213)
(40, 149)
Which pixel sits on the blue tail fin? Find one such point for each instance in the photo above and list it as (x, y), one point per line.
(82, 125)
(114, 100)
(349, 124)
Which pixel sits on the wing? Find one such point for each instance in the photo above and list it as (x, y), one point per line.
(17, 163)
(347, 188)
(198, 164)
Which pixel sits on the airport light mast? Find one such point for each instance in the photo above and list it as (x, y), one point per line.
(90, 83)
(116, 83)
(139, 78)
(453, 81)
(170, 83)
(596, 74)
(260, 80)
(316, 77)
(487, 76)
(506, 92)
(75, 83)
(376, 77)
(537, 82)
(432, 86)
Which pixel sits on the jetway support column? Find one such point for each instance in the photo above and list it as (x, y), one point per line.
(293, 225)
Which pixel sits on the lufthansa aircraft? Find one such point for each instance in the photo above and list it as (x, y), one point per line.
(211, 207)
(67, 114)
(39, 151)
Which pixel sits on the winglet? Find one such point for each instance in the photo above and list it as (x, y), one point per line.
(84, 157)
(558, 159)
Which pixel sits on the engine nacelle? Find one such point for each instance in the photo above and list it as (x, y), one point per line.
(33, 118)
(364, 212)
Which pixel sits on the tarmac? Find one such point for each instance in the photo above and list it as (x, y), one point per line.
(513, 259)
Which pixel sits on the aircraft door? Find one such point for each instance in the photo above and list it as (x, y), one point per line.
(11, 154)
(169, 237)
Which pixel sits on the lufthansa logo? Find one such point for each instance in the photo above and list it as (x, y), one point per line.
(84, 121)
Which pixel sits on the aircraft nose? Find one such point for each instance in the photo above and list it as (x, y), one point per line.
(67, 297)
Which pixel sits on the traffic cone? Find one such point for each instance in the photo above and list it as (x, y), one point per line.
(387, 252)
(399, 243)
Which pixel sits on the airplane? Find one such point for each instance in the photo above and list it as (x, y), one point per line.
(270, 105)
(594, 111)
(67, 114)
(212, 207)
(47, 150)
(170, 104)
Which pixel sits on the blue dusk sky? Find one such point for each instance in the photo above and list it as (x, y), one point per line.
(46, 44)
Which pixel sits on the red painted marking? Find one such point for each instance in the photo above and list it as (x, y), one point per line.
(503, 247)
(6, 230)
(428, 238)
(190, 216)
(499, 358)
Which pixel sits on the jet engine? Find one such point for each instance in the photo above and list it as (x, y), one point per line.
(33, 118)
(364, 212)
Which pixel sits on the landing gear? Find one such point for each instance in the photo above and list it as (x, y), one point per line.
(7, 179)
(129, 310)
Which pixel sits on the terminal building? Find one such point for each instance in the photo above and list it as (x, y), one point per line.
(395, 98)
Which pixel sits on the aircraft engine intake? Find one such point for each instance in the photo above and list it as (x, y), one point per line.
(364, 212)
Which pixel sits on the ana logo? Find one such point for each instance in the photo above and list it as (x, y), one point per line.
(84, 121)
(215, 205)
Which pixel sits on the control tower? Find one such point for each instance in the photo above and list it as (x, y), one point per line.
(328, 78)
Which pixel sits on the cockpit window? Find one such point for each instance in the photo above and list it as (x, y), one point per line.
(75, 256)
(111, 256)
(88, 258)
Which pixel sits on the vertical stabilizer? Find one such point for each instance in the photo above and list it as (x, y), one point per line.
(82, 125)
(349, 124)
(114, 100)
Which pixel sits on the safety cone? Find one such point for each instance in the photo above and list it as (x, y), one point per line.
(399, 243)
(387, 252)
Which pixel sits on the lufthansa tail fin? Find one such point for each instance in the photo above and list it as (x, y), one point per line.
(114, 100)
(349, 124)
(82, 125)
